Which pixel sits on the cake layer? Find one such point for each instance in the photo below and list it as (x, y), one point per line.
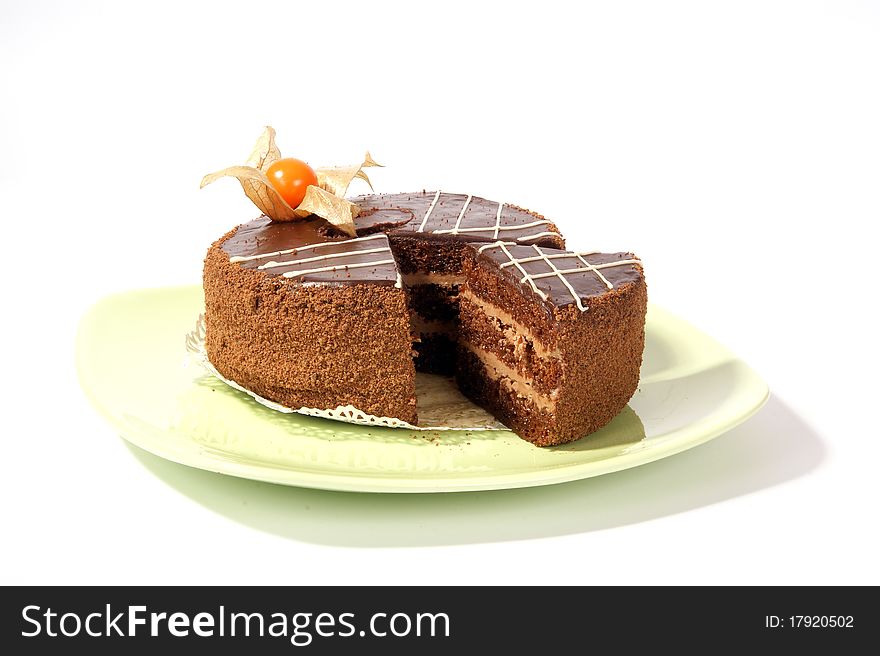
(434, 335)
(428, 278)
(434, 302)
(436, 353)
(421, 326)
(514, 409)
(510, 342)
(417, 255)
(510, 327)
(510, 378)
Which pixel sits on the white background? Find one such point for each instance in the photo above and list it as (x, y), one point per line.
(734, 146)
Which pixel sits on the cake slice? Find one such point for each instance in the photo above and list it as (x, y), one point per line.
(310, 319)
(550, 341)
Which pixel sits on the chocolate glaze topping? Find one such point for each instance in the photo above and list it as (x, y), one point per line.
(463, 217)
(561, 278)
(263, 235)
(308, 252)
(313, 251)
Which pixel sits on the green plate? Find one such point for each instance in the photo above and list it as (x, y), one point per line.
(133, 366)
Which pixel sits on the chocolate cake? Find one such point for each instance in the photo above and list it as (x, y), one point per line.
(550, 340)
(547, 339)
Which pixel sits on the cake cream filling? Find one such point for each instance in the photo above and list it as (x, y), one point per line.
(428, 278)
(418, 324)
(513, 330)
(511, 379)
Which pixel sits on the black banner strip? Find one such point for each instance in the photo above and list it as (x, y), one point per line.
(317, 620)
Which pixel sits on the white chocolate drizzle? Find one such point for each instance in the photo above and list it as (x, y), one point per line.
(556, 271)
(525, 273)
(494, 230)
(320, 258)
(455, 228)
(499, 228)
(271, 264)
(537, 235)
(595, 270)
(495, 244)
(428, 213)
(498, 221)
(292, 251)
(340, 267)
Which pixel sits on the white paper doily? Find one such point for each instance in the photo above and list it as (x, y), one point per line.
(440, 405)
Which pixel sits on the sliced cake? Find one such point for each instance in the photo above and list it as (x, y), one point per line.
(550, 341)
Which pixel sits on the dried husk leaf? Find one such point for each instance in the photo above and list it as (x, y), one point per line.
(327, 200)
(261, 192)
(336, 179)
(333, 209)
(265, 152)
